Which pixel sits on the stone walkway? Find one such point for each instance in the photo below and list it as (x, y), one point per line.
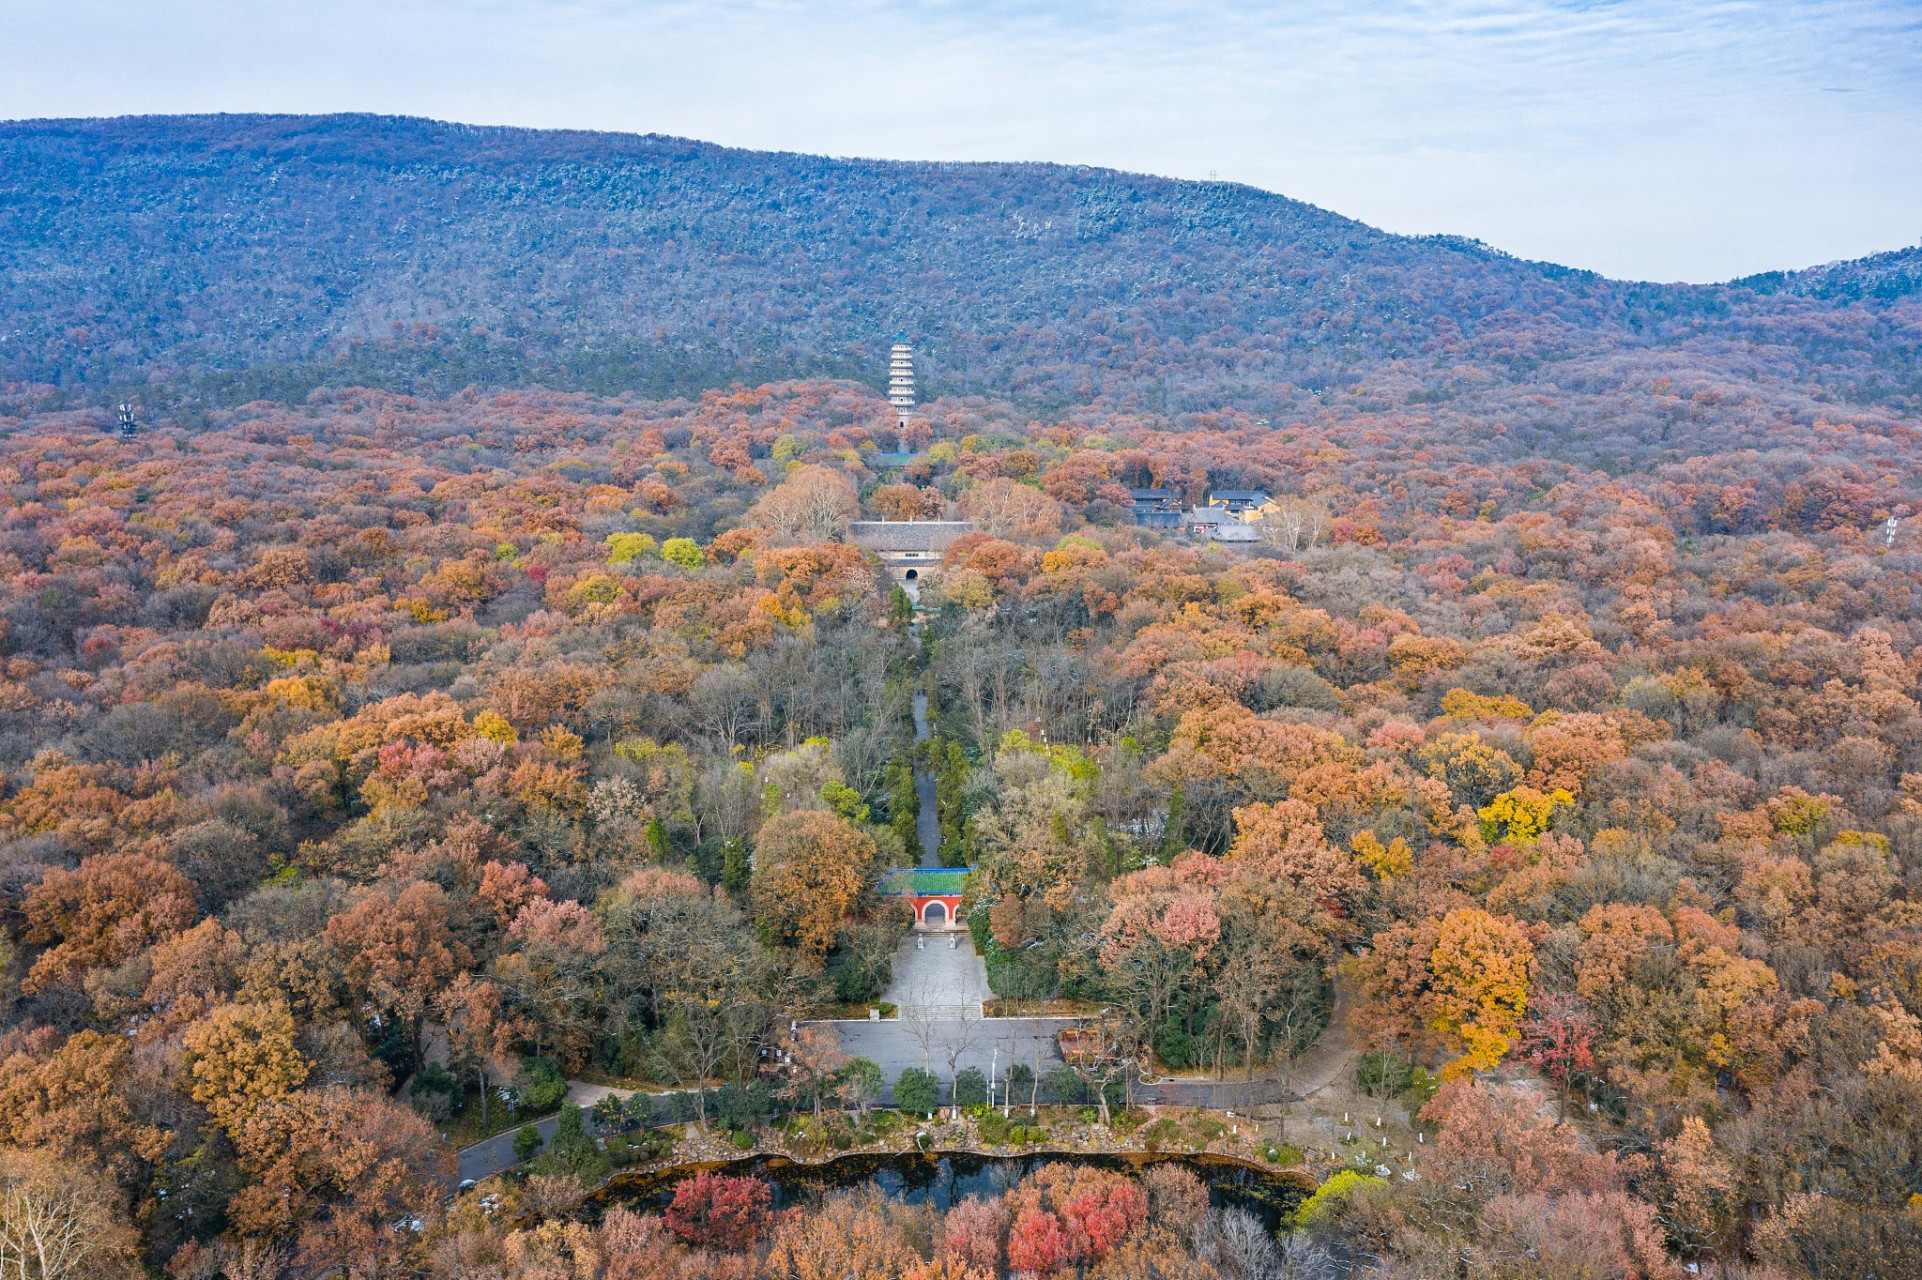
(927, 818)
(939, 968)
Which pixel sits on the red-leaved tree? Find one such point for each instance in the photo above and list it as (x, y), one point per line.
(1559, 1040)
(714, 1211)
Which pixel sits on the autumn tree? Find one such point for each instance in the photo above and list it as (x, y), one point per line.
(60, 1220)
(549, 974)
(715, 1211)
(1479, 986)
(1071, 1217)
(74, 1101)
(811, 871)
(101, 913)
(1559, 1039)
(342, 1173)
(481, 1030)
(813, 504)
(849, 1235)
(398, 952)
(241, 1055)
(1462, 978)
(1163, 925)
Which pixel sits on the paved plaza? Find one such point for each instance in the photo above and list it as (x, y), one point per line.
(939, 970)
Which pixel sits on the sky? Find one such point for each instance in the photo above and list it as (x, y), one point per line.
(1648, 139)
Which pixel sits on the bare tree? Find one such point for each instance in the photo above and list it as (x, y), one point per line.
(1295, 524)
(812, 504)
(958, 1037)
(58, 1220)
(1116, 1057)
(725, 698)
(918, 1016)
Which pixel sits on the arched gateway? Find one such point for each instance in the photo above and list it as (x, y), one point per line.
(934, 894)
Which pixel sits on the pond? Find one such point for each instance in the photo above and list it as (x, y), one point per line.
(940, 1178)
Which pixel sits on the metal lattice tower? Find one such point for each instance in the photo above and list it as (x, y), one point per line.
(901, 378)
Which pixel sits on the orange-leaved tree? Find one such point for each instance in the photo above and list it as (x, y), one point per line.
(811, 869)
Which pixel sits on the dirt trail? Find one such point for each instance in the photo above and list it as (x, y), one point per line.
(1333, 1056)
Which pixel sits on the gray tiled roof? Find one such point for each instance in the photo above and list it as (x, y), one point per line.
(907, 535)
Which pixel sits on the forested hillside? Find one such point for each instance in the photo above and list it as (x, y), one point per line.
(372, 762)
(197, 261)
(462, 683)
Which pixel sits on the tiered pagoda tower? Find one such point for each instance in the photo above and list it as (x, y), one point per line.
(901, 378)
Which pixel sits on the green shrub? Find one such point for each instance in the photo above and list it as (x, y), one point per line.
(970, 1087)
(1020, 1082)
(1382, 1075)
(1061, 1087)
(539, 1087)
(435, 1093)
(743, 1140)
(917, 1091)
(1287, 1154)
(639, 1111)
(571, 1151)
(622, 548)
(684, 552)
(1164, 1130)
(610, 1114)
(526, 1142)
(634, 1148)
(1331, 1194)
(1176, 1048)
(1422, 1084)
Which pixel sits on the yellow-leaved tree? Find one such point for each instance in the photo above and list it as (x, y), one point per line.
(241, 1055)
(1478, 986)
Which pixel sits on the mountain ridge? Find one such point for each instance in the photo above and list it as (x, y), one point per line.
(224, 257)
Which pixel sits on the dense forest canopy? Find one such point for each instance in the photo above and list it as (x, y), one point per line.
(374, 760)
(215, 259)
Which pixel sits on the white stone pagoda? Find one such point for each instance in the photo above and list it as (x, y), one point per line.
(901, 378)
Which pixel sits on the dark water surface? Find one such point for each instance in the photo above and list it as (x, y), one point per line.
(941, 1178)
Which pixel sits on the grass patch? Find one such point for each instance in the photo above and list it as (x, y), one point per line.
(855, 1011)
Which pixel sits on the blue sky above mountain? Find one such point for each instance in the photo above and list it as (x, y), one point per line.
(1688, 139)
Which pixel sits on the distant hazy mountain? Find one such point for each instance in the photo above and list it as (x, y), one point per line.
(231, 257)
